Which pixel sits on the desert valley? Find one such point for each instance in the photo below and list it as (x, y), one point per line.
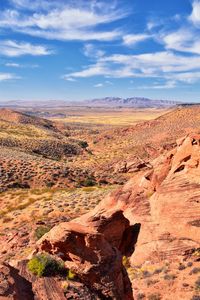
(103, 209)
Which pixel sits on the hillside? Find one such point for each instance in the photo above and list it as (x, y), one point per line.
(118, 152)
(114, 152)
(22, 118)
(141, 241)
(35, 153)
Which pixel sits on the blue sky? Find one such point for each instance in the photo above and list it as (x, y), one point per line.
(81, 49)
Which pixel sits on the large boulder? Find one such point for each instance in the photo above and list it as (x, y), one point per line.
(92, 247)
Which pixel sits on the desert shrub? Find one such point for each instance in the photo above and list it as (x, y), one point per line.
(197, 284)
(150, 282)
(146, 274)
(88, 182)
(126, 262)
(181, 267)
(49, 184)
(195, 297)
(197, 252)
(158, 271)
(189, 264)
(194, 271)
(154, 297)
(70, 275)
(40, 231)
(83, 144)
(170, 277)
(44, 265)
(140, 296)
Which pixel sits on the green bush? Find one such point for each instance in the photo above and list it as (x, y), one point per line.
(40, 231)
(83, 144)
(70, 275)
(49, 184)
(44, 265)
(88, 182)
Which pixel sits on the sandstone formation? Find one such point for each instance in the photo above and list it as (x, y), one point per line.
(162, 205)
(92, 247)
(13, 286)
(153, 217)
(165, 202)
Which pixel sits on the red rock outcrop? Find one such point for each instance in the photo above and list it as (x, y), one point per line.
(165, 201)
(92, 247)
(13, 286)
(156, 215)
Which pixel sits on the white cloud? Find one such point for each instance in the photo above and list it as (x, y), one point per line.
(184, 40)
(165, 65)
(93, 70)
(7, 76)
(91, 51)
(13, 49)
(133, 39)
(108, 82)
(171, 84)
(187, 77)
(98, 85)
(17, 65)
(67, 22)
(69, 78)
(13, 65)
(36, 4)
(195, 15)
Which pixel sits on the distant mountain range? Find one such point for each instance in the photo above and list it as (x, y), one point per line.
(134, 102)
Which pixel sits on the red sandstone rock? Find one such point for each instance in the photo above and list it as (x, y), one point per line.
(165, 202)
(90, 247)
(163, 208)
(13, 285)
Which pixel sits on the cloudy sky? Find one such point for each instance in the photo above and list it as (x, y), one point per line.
(80, 49)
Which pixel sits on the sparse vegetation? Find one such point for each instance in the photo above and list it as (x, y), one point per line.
(88, 182)
(140, 296)
(181, 267)
(154, 297)
(83, 144)
(197, 284)
(40, 231)
(70, 275)
(65, 188)
(169, 277)
(195, 297)
(195, 270)
(44, 265)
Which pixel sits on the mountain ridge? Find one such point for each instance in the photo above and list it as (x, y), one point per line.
(130, 102)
